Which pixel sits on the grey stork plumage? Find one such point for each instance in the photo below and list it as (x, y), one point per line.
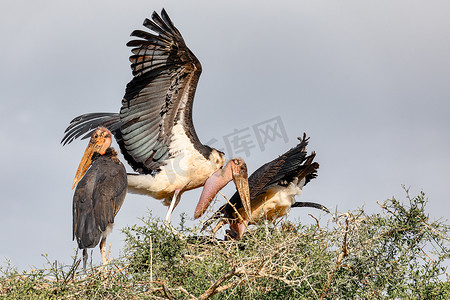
(154, 128)
(272, 191)
(99, 194)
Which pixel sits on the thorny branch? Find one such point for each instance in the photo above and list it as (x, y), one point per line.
(344, 253)
(309, 261)
(212, 289)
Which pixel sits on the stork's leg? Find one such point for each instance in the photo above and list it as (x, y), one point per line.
(175, 199)
(103, 251)
(266, 226)
(85, 258)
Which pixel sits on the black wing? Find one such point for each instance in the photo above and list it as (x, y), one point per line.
(97, 199)
(285, 167)
(159, 96)
(293, 164)
(86, 124)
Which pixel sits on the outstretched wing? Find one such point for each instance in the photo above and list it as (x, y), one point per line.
(160, 95)
(86, 124)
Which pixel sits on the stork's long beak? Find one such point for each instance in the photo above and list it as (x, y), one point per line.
(235, 170)
(240, 178)
(212, 186)
(100, 141)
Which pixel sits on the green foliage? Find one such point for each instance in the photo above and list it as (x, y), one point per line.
(397, 253)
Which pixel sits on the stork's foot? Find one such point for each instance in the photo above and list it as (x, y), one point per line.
(172, 229)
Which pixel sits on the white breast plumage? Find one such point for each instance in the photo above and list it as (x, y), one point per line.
(186, 169)
(278, 200)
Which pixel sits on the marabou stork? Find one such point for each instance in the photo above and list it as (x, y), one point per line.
(154, 128)
(273, 188)
(99, 193)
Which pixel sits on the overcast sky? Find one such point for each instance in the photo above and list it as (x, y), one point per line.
(369, 81)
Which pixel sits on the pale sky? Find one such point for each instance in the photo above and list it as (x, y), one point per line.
(368, 81)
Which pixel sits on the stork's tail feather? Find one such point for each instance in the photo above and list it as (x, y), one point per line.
(87, 123)
(308, 170)
(310, 204)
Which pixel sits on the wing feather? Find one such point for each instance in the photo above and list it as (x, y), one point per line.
(110, 191)
(160, 95)
(85, 125)
(97, 199)
(283, 168)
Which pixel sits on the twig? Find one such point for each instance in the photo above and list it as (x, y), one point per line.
(223, 288)
(151, 262)
(166, 292)
(317, 221)
(72, 270)
(56, 270)
(187, 293)
(436, 232)
(213, 288)
(121, 269)
(282, 279)
(234, 208)
(344, 253)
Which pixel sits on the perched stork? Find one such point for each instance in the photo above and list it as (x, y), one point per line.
(273, 188)
(154, 128)
(99, 193)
